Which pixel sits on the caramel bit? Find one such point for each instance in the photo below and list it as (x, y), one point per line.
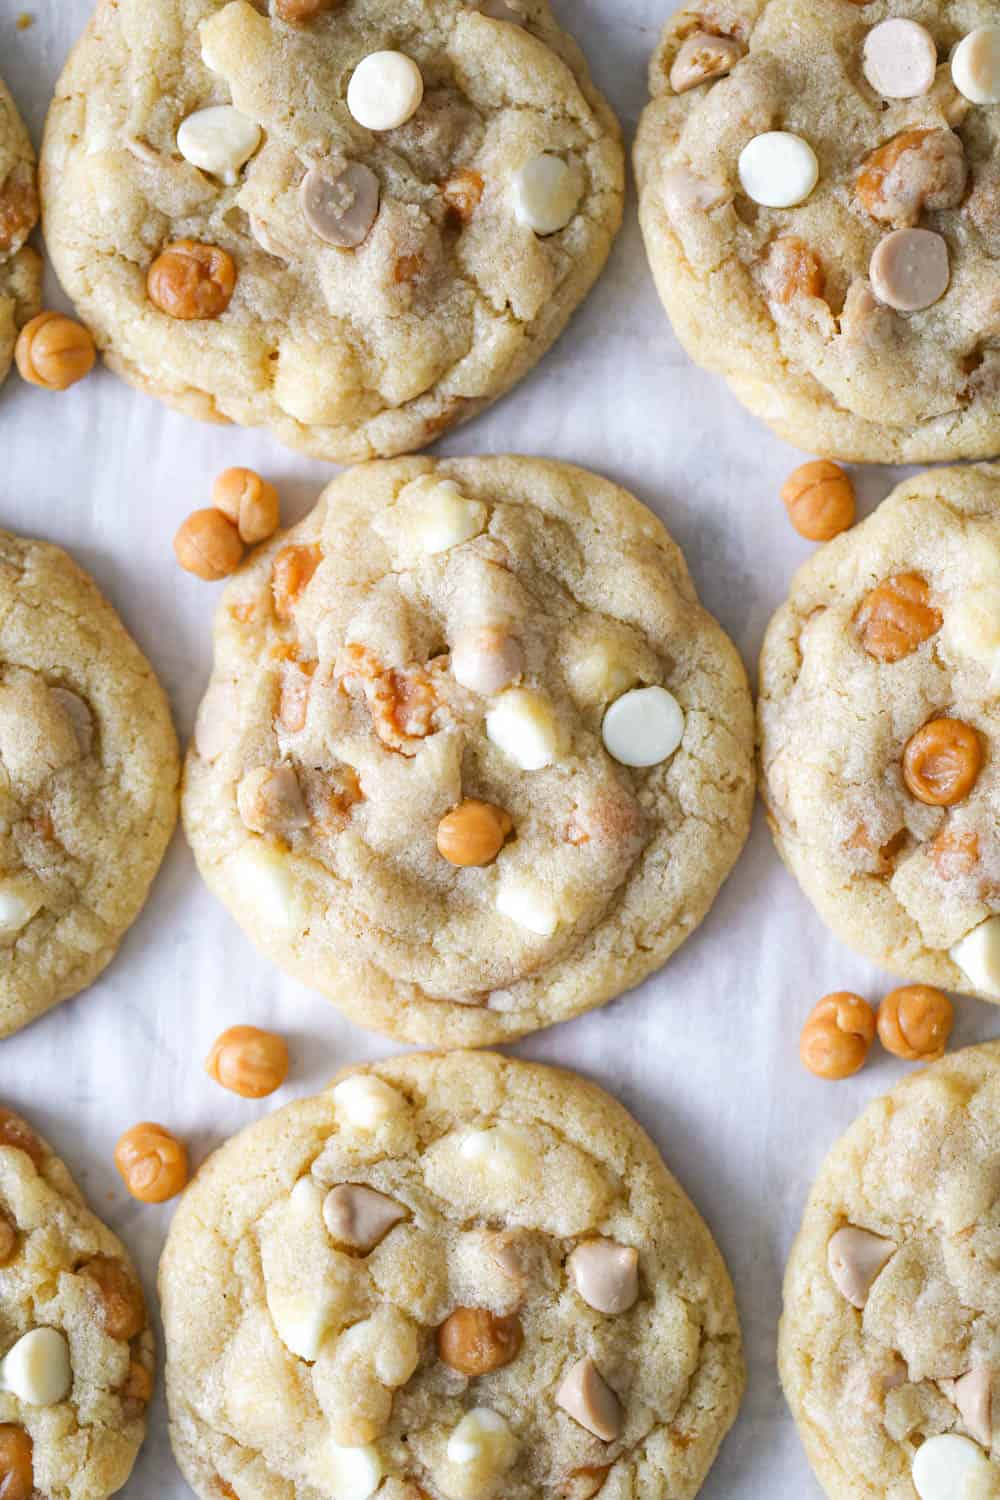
(189, 280)
(897, 617)
(118, 1296)
(293, 694)
(137, 1392)
(242, 613)
(331, 802)
(17, 1477)
(8, 1238)
(407, 268)
(14, 1132)
(955, 854)
(18, 209)
(793, 270)
(882, 854)
(916, 170)
(404, 702)
(225, 1490)
(462, 194)
(291, 572)
(942, 761)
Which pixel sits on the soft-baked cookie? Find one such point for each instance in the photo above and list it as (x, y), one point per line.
(76, 1350)
(472, 758)
(451, 1277)
(819, 189)
(879, 721)
(88, 779)
(20, 265)
(890, 1341)
(356, 223)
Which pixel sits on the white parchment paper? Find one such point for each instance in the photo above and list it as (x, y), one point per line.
(705, 1053)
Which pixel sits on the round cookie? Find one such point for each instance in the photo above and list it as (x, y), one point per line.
(20, 265)
(879, 719)
(889, 1349)
(424, 1278)
(860, 318)
(399, 783)
(88, 779)
(389, 281)
(76, 1349)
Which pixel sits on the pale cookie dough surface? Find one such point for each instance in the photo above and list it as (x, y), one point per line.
(796, 330)
(901, 881)
(346, 695)
(869, 1384)
(61, 1269)
(20, 265)
(499, 1170)
(345, 353)
(88, 779)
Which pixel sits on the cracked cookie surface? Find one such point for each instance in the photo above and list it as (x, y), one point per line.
(878, 728)
(348, 350)
(890, 1338)
(438, 1338)
(20, 265)
(88, 779)
(399, 782)
(76, 1349)
(787, 303)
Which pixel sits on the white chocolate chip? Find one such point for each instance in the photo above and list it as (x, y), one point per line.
(20, 898)
(546, 194)
(366, 1102)
(605, 1275)
(483, 1438)
(525, 901)
(900, 59)
(643, 727)
(975, 66)
(944, 1467)
(261, 882)
(37, 1369)
(486, 659)
(502, 1151)
(778, 169)
(701, 58)
(218, 140)
(385, 90)
(358, 1217)
(978, 957)
(340, 204)
(972, 1395)
(522, 724)
(855, 1257)
(348, 1473)
(910, 269)
(586, 1396)
(79, 715)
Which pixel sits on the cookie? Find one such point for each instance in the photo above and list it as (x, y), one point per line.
(818, 191)
(879, 719)
(472, 758)
(354, 223)
(88, 779)
(889, 1347)
(76, 1350)
(456, 1277)
(20, 265)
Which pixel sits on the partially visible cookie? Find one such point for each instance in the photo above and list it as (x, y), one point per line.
(76, 1349)
(355, 222)
(455, 1278)
(20, 265)
(819, 191)
(889, 1347)
(473, 759)
(88, 779)
(879, 728)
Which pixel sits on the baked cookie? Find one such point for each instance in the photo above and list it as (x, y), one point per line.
(451, 1277)
(20, 265)
(356, 222)
(879, 722)
(76, 1350)
(819, 187)
(472, 758)
(889, 1347)
(88, 779)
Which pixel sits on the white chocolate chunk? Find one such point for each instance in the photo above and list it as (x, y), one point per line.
(385, 90)
(366, 1102)
(685, 193)
(643, 727)
(347, 1473)
(945, 1467)
(855, 1257)
(597, 675)
(218, 140)
(900, 59)
(586, 1396)
(486, 659)
(359, 1217)
(778, 169)
(483, 1438)
(527, 903)
(972, 1395)
(701, 58)
(978, 957)
(441, 516)
(975, 66)
(216, 722)
(304, 1297)
(37, 1369)
(262, 882)
(972, 624)
(269, 800)
(546, 194)
(605, 1275)
(910, 269)
(501, 1151)
(79, 715)
(20, 899)
(522, 723)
